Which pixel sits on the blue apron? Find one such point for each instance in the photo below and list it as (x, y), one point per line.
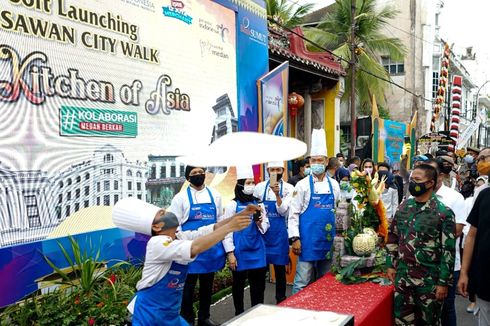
(317, 225)
(249, 245)
(276, 238)
(213, 259)
(160, 304)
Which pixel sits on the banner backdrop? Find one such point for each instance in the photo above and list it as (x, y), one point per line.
(388, 135)
(98, 98)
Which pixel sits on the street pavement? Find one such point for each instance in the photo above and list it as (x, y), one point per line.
(223, 310)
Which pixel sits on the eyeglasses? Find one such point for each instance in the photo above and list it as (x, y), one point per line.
(482, 158)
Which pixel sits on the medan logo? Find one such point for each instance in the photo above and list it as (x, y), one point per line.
(176, 10)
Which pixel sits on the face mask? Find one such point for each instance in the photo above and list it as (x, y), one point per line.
(307, 171)
(483, 168)
(369, 170)
(469, 159)
(317, 169)
(446, 169)
(197, 180)
(345, 186)
(417, 189)
(249, 190)
(279, 176)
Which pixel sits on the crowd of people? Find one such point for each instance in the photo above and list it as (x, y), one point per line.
(438, 242)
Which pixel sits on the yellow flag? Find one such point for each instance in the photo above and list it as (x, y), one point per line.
(375, 112)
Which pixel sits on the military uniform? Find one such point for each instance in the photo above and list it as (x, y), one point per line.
(421, 247)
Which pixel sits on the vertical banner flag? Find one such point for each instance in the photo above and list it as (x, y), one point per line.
(455, 108)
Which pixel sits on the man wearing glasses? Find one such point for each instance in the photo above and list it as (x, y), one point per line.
(477, 246)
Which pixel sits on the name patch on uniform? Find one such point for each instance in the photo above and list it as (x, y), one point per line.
(172, 272)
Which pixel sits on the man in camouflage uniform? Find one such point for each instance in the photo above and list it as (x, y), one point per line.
(421, 250)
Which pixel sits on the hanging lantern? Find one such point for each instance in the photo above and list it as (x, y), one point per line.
(295, 102)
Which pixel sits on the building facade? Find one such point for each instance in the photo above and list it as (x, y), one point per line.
(166, 177)
(32, 204)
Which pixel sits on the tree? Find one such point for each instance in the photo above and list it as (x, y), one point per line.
(288, 14)
(334, 33)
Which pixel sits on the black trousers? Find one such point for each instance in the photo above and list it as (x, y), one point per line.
(256, 279)
(280, 273)
(205, 292)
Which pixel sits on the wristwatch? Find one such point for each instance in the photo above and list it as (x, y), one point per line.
(293, 240)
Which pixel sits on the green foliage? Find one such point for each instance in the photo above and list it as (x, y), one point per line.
(334, 33)
(287, 14)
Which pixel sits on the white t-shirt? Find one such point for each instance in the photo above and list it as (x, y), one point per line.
(455, 201)
(301, 199)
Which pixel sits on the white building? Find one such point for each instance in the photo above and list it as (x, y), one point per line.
(165, 179)
(33, 204)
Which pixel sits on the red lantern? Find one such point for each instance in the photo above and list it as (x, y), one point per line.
(295, 101)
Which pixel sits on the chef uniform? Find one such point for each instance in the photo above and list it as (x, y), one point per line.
(247, 246)
(159, 295)
(276, 239)
(197, 208)
(312, 218)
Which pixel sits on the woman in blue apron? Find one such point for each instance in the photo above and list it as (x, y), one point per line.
(210, 261)
(246, 248)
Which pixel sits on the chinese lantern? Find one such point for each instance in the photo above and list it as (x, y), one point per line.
(295, 101)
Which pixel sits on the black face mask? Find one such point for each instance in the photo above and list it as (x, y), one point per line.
(446, 169)
(279, 176)
(197, 180)
(417, 189)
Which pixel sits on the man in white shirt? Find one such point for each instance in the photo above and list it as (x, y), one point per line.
(168, 254)
(195, 207)
(311, 224)
(276, 199)
(455, 201)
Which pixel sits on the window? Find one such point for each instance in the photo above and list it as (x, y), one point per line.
(58, 212)
(138, 174)
(182, 171)
(98, 186)
(116, 185)
(79, 178)
(87, 190)
(87, 176)
(108, 171)
(107, 200)
(68, 182)
(435, 83)
(77, 207)
(139, 196)
(61, 184)
(98, 201)
(77, 193)
(129, 173)
(130, 195)
(108, 158)
(116, 198)
(393, 68)
(172, 171)
(138, 186)
(68, 210)
(107, 185)
(85, 204)
(153, 172)
(60, 198)
(32, 211)
(68, 195)
(163, 172)
(130, 185)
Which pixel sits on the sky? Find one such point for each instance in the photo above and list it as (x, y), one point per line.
(462, 23)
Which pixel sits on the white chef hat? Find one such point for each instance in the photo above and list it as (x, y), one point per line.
(277, 164)
(134, 215)
(318, 143)
(244, 172)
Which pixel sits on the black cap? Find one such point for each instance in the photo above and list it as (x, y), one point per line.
(188, 170)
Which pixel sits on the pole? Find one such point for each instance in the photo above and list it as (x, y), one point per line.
(353, 120)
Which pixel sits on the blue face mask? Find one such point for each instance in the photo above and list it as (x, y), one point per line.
(469, 159)
(317, 169)
(307, 171)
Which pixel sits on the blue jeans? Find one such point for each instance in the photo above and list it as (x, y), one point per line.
(308, 271)
(448, 317)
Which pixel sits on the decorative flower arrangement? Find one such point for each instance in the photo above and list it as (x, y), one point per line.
(368, 210)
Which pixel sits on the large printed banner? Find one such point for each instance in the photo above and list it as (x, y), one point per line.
(98, 98)
(388, 138)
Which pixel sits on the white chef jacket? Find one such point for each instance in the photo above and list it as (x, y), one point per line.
(287, 195)
(455, 201)
(161, 251)
(390, 201)
(230, 210)
(301, 199)
(181, 206)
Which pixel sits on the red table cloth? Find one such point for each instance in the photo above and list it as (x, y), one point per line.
(371, 304)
